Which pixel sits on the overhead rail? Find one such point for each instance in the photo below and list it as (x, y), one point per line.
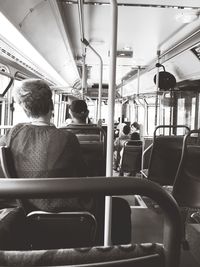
(87, 44)
(129, 3)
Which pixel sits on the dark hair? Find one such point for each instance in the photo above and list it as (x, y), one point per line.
(126, 129)
(35, 96)
(136, 125)
(79, 109)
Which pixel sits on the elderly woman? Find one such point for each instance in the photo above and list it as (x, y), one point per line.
(40, 149)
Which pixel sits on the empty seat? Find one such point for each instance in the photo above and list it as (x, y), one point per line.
(165, 157)
(92, 140)
(131, 157)
(186, 189)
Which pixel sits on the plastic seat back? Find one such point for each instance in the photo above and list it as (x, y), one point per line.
(92, 140)
(131, 157)
(61, 230)
(7, 162)
(186, 188)
(165, 157)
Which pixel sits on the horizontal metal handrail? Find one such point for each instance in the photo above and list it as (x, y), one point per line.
(98, 186)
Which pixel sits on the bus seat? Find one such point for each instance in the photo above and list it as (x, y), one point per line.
(13, 231)
(47, 230)
(131, 157)
(95, 158)
(92, 140)
(8, 171)
(165, 156)
(86, 132)
(162, 255)
(186, 189)
(7, 162)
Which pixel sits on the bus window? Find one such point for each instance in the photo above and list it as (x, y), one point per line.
(192, 126)
(19, 116)
(4, 80)
(181, 113)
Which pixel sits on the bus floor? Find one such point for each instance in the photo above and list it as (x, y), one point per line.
(147, 226)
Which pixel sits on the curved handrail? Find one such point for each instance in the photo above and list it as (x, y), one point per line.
(54, 187)
(170, 126)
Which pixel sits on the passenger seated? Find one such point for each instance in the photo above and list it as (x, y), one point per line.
(79, 112)
(135, 131)
(41, 150)
(118, 145)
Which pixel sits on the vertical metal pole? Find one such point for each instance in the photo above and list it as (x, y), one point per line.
(163, 113)
(138, 81)
(110, 133)
(84, 79)
(121, 111)
(157, 88)
(3, 112)
(196, 126)
(100, 85)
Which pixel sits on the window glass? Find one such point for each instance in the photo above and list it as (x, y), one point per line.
(181, 114)
(4, 80)
(19, 116)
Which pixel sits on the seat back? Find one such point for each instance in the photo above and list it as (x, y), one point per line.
(165, 157)
(92, 140)
(131, 157)
(186, 188)
(49, 230)
(166, 255)
(7, 162)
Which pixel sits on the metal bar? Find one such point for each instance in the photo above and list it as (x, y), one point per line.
(138, 81)
(80, 13)
(84, 76)
(60, 187)
(129, 3)
(157, 87)
(81, 24)
(100, 84)
(110, 133)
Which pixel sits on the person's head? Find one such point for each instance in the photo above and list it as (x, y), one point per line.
(135, 125)
(35, 97)
(79, 111)
(126, 129)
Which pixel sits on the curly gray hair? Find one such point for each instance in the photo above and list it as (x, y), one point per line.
(35, 96)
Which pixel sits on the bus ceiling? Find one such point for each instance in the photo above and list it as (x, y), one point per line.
(144, 28)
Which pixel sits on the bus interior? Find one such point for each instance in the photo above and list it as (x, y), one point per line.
(131, 61)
